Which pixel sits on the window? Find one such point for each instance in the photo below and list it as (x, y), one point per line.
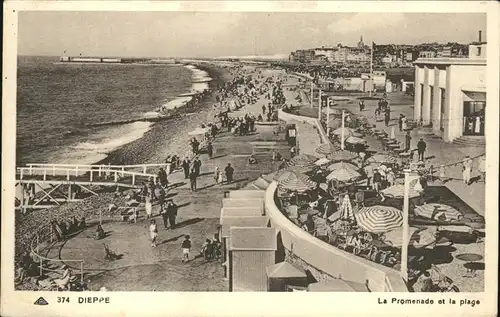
(479, 51)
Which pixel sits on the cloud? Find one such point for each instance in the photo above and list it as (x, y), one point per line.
(363, 22)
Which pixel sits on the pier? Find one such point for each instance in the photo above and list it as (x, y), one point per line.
(50, 185)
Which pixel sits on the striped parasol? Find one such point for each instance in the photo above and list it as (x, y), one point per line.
(383, 158)
(355, 140)
(379, 219)
(418, 237)
(303, 160)
(339, 165)
(341, 155)
(326, 148)
(346, 209)
(438, 212)
(397, 191)
(285, 173)
(297, 183)
(347, 132)
(343, 175)
(322, 161)
(335, 123)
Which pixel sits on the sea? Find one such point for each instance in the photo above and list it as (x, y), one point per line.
(61, 106)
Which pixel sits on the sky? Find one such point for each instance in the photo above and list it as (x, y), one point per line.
(214, 34)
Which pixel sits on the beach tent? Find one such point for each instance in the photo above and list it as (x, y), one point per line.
(282, 274)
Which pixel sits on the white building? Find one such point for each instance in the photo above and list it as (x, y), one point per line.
(450, 93)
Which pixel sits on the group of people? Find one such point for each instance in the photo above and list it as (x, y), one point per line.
(62, 229)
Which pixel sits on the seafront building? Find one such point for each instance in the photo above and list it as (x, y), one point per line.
(450, 93)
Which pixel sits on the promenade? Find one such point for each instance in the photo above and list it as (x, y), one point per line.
(143, 268)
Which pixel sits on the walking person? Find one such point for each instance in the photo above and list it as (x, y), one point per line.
(387, 117)
(467, 169)
(162, 176)
(377, 180)
(217, 175)
(186, 248)
(161, 198)
(148, 206)
(151, 188)
(229, 170)
(192, 179)
(407, 141)
(400, 122)
(482, 168)
(171, 209)
(210, 149)
(153, 233)
(421, 146)
(361, 105)
(197, 166)
(186, 164)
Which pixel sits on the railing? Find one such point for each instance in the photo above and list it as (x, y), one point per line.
(43, 235)
(88, 172)
(143, 167)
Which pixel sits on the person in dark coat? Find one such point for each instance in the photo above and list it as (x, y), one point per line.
(407, 141)
(197, 166)
(421, 147)
(400, 122)
(387, 117)
(210, 149)
(192, 179)
(171, 212)
(186, 164)
(229, 170)
(162, 176)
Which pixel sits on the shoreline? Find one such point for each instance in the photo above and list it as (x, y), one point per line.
(169, 135)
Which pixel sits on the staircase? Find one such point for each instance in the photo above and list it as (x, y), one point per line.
(478, 141)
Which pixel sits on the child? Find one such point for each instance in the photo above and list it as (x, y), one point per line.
(149, 207)
(207, 249)
(186, 247)
(153, 232)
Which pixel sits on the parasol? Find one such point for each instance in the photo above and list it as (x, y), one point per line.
(297, 183)
(346, 209)
(340, 165)
(341, 155)
(303, 160)
(285, 173)
(322, 161)
(343, 175)
(379, 219)
(326, 148)
(438, 212)
(347, 132)
(355, 140)
(418, 237)
(397, 191)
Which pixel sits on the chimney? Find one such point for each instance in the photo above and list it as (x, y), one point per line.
(480, 35)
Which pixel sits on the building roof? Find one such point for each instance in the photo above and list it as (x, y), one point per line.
(249, 211)
(228, 222)
(449, 61)
(252, 239)
(285, 270)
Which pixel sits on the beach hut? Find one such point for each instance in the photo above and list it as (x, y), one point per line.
(243, 202)
(283, 274)
(227, 222)
(251, 251)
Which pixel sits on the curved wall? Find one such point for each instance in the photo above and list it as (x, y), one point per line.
(312, 121)
(328, 259)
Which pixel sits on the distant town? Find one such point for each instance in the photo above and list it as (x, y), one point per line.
(387, 55)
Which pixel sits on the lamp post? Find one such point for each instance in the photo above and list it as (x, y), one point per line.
(312, 92)
(342, 131)
(319, 106)
(404, 249)
(328, 117)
